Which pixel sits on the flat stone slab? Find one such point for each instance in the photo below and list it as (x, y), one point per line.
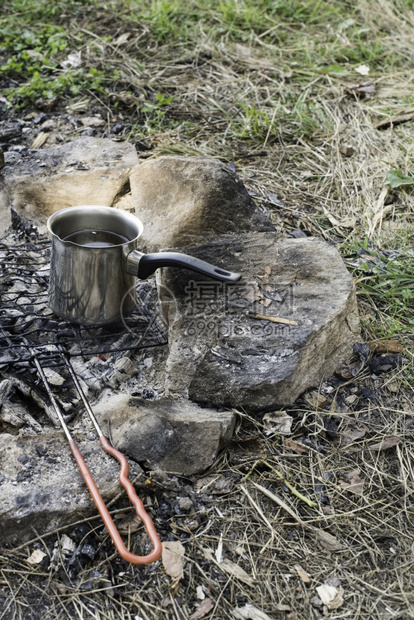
(93, 171)
(41, 487)
(257, 345)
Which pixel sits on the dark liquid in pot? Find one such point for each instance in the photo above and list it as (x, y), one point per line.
(96, 238)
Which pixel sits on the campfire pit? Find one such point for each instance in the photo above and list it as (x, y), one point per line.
(294, 318)
(26, 323)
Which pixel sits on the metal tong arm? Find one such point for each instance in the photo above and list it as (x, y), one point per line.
(90, 483)
(135, 500)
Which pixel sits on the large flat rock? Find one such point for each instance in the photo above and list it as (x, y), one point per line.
(233, 346)
(41, 487)
(182, 200)
(84, 171)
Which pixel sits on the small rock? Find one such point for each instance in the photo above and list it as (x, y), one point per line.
(346, 150)
(315, 601)
(117, 128)
(87, 551)
(166, 433)
(185, 504)
(48, 125)
(297, 234)
(40, 118)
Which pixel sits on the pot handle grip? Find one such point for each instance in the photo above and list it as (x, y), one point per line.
(149, 263)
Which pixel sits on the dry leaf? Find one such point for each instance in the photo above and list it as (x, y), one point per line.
(392, 387)
(386, 346)
(203, 609)
(36, 557)
(230, 568)
(347, 371)
(92, 121)
(316, 401)
(216, 485)
(296, 446)
(173, 561)
(278, 422)
(130, 523)
(204, 483)
(252, 292)
(40, 140)
(249, 612)
(236, 571)
(345, 223)
(353, 482)
(385, 444)
(349, 435)
(200, 593)
(329, 542)
(302, 573)
(330, 596)
(123, 38)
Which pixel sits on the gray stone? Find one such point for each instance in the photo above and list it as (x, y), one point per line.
(226, 350)
(84, 171)
(42, 487)
(185, 504)
(182, 200)
(172, 434)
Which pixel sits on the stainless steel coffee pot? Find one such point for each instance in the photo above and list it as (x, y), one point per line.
(95, 261)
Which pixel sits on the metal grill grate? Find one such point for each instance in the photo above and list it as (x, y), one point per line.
(26, 322)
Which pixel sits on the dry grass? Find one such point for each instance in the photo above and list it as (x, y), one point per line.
(359, 538)
(301, 136)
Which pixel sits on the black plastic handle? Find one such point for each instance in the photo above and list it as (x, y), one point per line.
(149, 263)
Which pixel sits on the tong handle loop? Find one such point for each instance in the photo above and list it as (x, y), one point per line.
(135, 500)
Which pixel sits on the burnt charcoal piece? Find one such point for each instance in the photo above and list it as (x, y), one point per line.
(87, 551)
(366, 392)
(331, 428)
(384, 363)
(362, 350)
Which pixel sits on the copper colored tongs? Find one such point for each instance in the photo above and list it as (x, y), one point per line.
(123, 476)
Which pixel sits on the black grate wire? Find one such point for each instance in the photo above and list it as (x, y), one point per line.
(27, 324)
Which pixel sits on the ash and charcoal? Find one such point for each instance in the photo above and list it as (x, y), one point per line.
(28, 329)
